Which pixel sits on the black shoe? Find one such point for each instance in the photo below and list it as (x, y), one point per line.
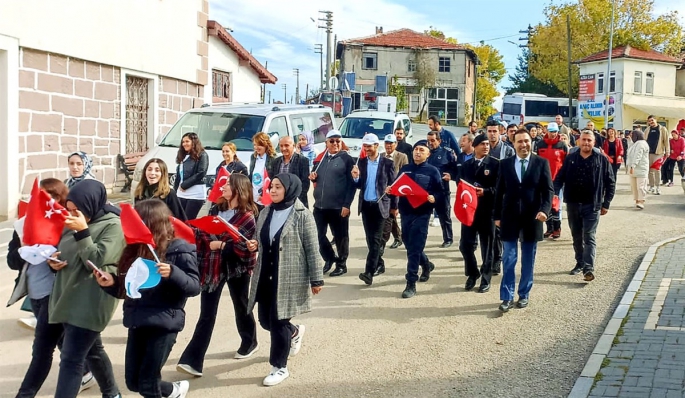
(497, 268)
(366, 277)
(588, 276)
(484, 288)
(327, 266)
(379, 270)
(548, 234)
(576, 270)
(426, 273)
(506, 305)
(339, 270)
(446, 244)
(522, 303)
(470, 283)
(410, 290)
(397, 243)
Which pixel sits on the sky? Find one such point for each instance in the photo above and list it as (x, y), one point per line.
(283, 33)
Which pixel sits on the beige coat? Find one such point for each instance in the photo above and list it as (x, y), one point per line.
(664, 146)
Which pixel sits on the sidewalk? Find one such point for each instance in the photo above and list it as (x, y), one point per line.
(642, 351)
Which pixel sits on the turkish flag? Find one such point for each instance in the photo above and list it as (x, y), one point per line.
(466, 203)
(221, 180)
(216, 225)
(182, 230)
(21, 209)
(266, 190)
(407, 187)
(135, 230)
(44, 219)
(658, 163)
(555, 203)
(362, 154)
(320, 156)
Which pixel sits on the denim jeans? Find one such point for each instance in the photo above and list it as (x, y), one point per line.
(583, 221)
(509, 260)
(79, 344)
(147, 350)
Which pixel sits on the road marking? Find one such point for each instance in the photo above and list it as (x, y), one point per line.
(658, 305)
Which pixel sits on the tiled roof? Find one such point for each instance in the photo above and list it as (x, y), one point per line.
(405, 38)
(215, 29)
(630, 52)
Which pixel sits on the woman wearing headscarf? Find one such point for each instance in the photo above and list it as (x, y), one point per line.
(305, 145)
(79, 168)
(637, 164)
(92, 233)
(288, 267)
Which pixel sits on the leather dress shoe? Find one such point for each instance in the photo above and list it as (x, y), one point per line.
(484, 288)
(506, 305)
(470, 283)
(397, 243)
(576, 270)
(446, 244)
(426, 273)
(338, 271)
(379, 270)
(327, 266)
(588, 276)
(366, 277)
(497, 269)
(522, 303)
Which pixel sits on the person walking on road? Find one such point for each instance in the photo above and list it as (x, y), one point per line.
(402, 145)
(293, 163)
(554, 150)
(589, 185)
(447, 138)
(657, 138)
(391, 225)
(445, 160)
(676, 157)
(523, 201)
(637, 164)
(192, 162)
(614, 150)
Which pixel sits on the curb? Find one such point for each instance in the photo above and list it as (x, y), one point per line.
(583, 385)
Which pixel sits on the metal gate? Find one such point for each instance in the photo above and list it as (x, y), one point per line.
(136, 114)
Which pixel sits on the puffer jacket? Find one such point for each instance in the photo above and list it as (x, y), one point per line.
(638, 159)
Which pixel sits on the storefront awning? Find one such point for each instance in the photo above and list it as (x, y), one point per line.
(670, 108)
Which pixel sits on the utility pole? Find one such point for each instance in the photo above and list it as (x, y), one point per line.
(529, 33)
(296, 72)
(570, 70)
(329, 30)
(269, 96)
(306, 93)
(266, 66)
(318, 49)
(285, 92)
(607, 80)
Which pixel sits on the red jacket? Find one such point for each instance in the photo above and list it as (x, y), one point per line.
(677, 148)
(554, 150)
(619, 151)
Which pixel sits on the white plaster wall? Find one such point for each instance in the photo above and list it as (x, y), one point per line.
(9, 125)
(245, 84)
(155, 36)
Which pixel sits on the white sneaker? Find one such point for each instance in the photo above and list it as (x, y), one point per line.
(238, 355)
(276, 376)
(651, 189)
(28, 322)
(436, 222)
(87, 382)
(180, 389)
(296, 341)
(183, 368)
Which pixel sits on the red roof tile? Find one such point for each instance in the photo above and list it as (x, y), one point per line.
(630, 52)
(405, 38)
(215, 29)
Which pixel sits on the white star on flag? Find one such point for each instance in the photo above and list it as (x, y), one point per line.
(49, 213)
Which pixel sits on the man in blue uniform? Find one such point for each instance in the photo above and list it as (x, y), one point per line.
(415, 220)
(445, 161)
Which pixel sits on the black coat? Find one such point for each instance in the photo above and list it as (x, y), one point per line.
(406, 149)
(162, 306)
(445, 160)
(518, 203)
(171, 200)
(194, 172)
(483, 176)
(236, 167)
(384, 177)
(299, 165)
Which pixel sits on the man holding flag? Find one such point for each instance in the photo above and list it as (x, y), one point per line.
(419, 186)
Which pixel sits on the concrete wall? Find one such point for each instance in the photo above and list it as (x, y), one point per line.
(680, 83)
(245, 84)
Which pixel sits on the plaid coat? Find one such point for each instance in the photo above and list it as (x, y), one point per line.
(299, 263)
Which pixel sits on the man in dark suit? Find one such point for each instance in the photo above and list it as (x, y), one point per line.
(293, 163)
(372, 175)
(523, 200)
(480, 171)
(402, 145)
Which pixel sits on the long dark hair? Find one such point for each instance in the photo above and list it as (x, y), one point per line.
(242, 186)
(195, 150)
(155, 214)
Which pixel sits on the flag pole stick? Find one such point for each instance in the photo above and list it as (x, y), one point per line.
(322, 158)
(390, 186)
(233, 228)
(154, 254)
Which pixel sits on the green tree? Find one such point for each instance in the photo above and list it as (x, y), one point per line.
(425, 75)
(398, 91)
(634, 24)
(525, 82)
(438, 34)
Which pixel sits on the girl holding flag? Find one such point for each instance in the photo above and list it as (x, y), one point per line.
(224, 259)
(155, 318)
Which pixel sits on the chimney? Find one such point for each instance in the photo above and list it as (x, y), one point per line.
(379, 30)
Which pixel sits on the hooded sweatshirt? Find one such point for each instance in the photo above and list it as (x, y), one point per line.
(554, 150)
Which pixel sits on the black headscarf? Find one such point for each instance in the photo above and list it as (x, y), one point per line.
(90, 197)
(293, 188)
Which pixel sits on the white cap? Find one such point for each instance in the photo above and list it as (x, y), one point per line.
(333, 134)
(390, 138)
(370, 139)
(553, 127)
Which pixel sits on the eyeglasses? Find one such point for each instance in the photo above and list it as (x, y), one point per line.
(334, 141)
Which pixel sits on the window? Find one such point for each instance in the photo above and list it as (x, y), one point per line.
(411, 66)
(637, 84)
(600, 83)
(649, 84)
(357, 127)
(443, 93)
(278, 126)
(318, 123)
(612, 82)
(406, 123)
(215, 128)
(541, 108)
(370, 61)
(509, 108)
(444, 64)
(221, 85)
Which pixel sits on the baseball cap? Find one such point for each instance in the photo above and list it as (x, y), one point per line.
(553, 127)
(333, 134)
(390, 138)
(503, 123)
(370, 139)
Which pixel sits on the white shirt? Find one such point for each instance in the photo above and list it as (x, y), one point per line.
(196, 192)
(258, 176)
(517, 166)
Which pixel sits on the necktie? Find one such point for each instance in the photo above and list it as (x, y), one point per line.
(523, 167)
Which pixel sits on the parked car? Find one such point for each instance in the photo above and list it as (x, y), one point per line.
(237, 123)
(358, 123)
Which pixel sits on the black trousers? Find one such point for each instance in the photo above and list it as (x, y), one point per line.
(554, 220)
(497, 250)
(444, 211)
(340, 227)
(373, 222)
(483, 230)
(147, 350)
(391, 226)
(280, 330)
(583, 220)
(667, 170)
(191, 207)
(194, 354)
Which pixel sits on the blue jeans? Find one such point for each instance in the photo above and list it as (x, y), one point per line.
(583, 221)
(509, 260)
(415, 227)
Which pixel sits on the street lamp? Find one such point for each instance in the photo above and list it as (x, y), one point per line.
(285, 92)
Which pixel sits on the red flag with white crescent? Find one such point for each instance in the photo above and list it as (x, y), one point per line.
(221, 179)
(405, 186)
(465, 203)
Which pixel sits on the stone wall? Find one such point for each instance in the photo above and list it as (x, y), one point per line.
(175, 98)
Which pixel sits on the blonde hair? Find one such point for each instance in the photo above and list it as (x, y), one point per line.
(163, 187)
(262, 139)
(231, 145)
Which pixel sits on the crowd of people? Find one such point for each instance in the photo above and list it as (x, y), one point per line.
(521, 176)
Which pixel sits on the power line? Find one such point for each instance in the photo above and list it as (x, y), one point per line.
(495, 38)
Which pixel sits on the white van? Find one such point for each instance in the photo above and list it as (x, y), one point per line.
(237, 123)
